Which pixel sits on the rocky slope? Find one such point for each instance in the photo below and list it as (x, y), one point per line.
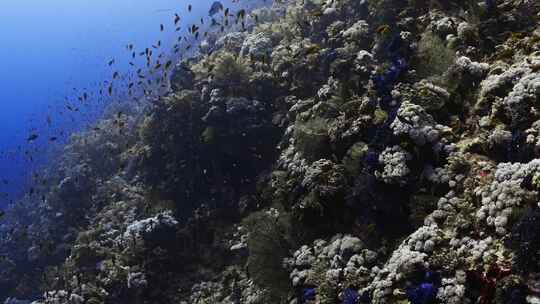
(337, 151)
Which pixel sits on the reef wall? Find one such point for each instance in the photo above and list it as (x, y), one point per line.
(336, 151)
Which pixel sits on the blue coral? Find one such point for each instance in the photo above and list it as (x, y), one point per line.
(385, 82)
(308, 294)
(365, 298)
(350, 296)
(491, 4)
(433, 277)
(426, 291)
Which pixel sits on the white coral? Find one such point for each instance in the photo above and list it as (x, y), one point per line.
(395, 171)
(136, 280)
(520, 78)
(464, 64)
(139, 229)
(231, 42)
(357, 31)
(523, 96)
(414, 121)
(344, 257)
(257, 45)
(451, 292)
(504, 194)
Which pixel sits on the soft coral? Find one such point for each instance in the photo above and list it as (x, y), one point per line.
(486, 281)
(426, 291)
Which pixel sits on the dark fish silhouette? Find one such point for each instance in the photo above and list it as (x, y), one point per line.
(214, 22)
(176, 19)
(189, 8)
(241, 14)
(215, 8)
(32, 137)
(161, 27)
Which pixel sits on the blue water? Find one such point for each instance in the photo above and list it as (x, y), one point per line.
(52, 52)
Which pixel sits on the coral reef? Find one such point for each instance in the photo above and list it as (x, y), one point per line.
(332, 152)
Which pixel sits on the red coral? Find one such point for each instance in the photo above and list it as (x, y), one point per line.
(486, 281)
